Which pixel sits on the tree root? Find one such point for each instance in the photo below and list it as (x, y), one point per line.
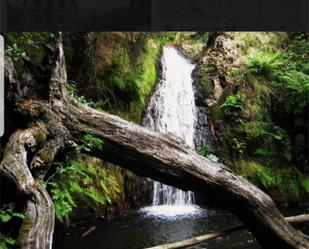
(37, 228)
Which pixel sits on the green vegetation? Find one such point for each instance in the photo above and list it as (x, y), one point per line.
(120, 69)
(7, 213)
(27, 47)
(92, 142)
(265, 112)
(233, 107)
(262, 114)
(80, 181)
(206, 152)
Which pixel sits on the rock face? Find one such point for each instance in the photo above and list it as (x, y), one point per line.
(209, 81)
(202, 134)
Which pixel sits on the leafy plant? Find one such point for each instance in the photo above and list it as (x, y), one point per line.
(6, 242)
(304, 181)
(27, 45)
(72, 88)
(237, 145)
(7, 213)
(206, 152)
(265, 176)
(91, 142)
(83, 182)
(17, 53)
(264, 63)
(233, 106)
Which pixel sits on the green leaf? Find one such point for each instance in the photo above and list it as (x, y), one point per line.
(5, 217)
(19, 215)
(305, 182)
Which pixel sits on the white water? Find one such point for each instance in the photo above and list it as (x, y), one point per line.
(172, 109)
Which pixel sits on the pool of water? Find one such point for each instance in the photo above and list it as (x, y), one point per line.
(149, 227)
(145, 228)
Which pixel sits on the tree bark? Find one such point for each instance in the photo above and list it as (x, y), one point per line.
(298, 219)
(162, 157)
(38, 225)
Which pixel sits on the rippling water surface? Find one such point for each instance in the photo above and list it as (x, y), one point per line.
(146, 227)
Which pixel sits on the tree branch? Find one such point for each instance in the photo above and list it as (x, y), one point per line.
(298, 219)
(164, 158)
(161, 157)
(203, 238)
(197, 240)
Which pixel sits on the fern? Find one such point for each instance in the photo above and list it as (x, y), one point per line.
(83, 182)
(294, 186)
(265, 177)
(233, 104)
(264, 63)
(7, 213)
(6, 242)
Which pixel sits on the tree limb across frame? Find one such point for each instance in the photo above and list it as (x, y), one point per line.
(161, 157)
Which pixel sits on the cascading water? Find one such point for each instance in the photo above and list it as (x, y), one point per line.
(171, 108)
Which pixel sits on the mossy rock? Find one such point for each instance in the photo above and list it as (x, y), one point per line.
(206, 85)
(216, 113)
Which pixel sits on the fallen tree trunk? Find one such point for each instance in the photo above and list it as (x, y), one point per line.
(167, 159)
(164, 158)
(203, 238)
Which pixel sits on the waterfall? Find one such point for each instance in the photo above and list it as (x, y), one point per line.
(172, 109)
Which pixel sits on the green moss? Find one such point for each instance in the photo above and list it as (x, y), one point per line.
(148, 68)
(47, 155)
(216, 113)
(206, 85)
(40, 135)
